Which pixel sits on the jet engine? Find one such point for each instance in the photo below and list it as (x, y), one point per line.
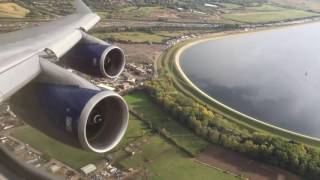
(84, 118)
(70, 109)
(96, 58)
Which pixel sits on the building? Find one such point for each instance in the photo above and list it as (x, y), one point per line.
(8, 127)
(19, 147)
(88, 169)
(31, 161)
(54, 168)
(113, 170)
(210, 5)
(3, 137)
(103, 86)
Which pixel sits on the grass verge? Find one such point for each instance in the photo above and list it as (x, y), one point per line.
(73, 157)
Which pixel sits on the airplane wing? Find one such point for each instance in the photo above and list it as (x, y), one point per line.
(19, 52)
(54, 100)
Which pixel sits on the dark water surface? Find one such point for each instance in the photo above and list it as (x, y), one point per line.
(273, 76)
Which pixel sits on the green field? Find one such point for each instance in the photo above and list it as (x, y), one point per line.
(12, 10)
(266, 7)
(174, 162)
(136, 129)
(158, 159)
(229, 5)
(249, 13)
(142, 11)
(141, 37)
(171, 34)
(264, 14)
(141, 103)
(133, 12)
(73, 157)
(136, 37)
(313, 5)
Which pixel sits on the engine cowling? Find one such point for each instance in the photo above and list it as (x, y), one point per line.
(84, 118)
(102, 60)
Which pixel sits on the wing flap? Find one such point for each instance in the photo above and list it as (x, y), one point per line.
(90, 20)
(63, 45)
(15, 78)
(10, 61)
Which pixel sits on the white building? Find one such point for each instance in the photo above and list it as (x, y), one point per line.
(88, 169)
(104, 86)
(210, 5)
(54, 168)
(19, 147)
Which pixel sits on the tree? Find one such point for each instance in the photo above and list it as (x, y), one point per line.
(214, 136)
(287, 154)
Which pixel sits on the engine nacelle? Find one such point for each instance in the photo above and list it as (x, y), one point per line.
(102, 60)
(83, 118)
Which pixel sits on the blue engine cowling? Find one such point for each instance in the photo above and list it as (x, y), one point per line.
(83, 118)
(102, 60)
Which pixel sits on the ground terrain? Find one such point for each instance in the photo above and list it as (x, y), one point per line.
(12, 10)
(226, 159)
(209, 154)
(156, 37)
(181, 11)
(75, 158)
(311, 5)
(156, 157)
(141, 53)
(141, 103)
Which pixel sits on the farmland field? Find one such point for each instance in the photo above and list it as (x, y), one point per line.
(313, 5)
(141, 103)
(260, 15)
(160, 160)
(141, 37)
(12, 10)
(136, 37)
(229, 5)
(156, 158)
(133, 12)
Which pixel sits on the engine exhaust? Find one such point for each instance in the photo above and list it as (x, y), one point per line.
(103, 122)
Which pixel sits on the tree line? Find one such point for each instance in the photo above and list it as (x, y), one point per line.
(293, 156)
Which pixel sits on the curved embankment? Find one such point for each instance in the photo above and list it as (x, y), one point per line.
(170, 63)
